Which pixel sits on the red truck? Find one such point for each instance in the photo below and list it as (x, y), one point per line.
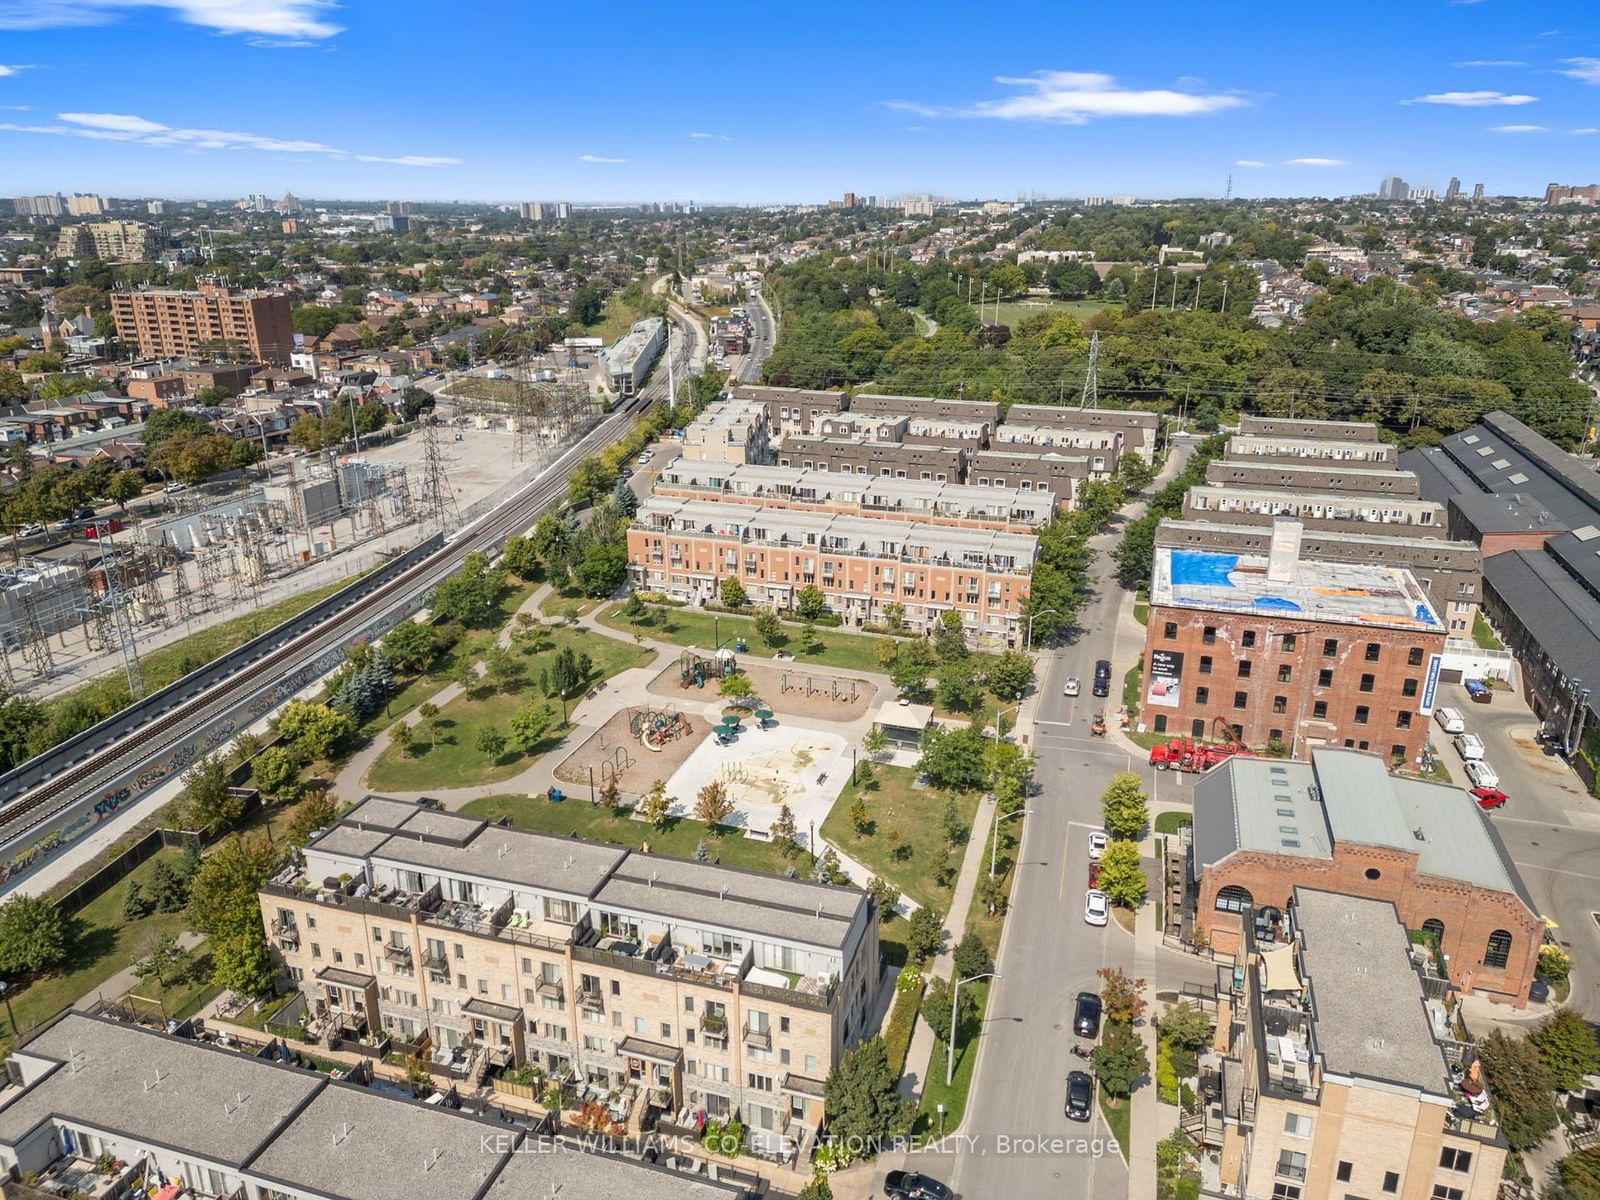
(1186, 754)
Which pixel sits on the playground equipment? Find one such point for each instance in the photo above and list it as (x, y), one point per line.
(655, 727)
(693, 670)
(844, 690)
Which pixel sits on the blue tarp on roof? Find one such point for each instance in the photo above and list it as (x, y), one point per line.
(1199, 568)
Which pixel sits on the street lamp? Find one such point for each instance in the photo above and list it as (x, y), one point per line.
(950, 1048)
(997, 720)
(1027, 643)
(994, 831)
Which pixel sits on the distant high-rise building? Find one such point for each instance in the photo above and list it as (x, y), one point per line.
(189, 324)
(81, 204)
(289, 205)
(400, 208)
(1454, 190)
(1477, 193)
(563, 211)
(155, 207)
(109, 241)
(392, 223)
(1096, 202)
(848, 200)
(38, 206)
(260, 203)
(291, 226)
(1560, 193)
(532, 210)
(1393, 188)
(1422, 193)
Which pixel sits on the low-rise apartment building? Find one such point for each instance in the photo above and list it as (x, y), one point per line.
(1317, 510)
(175, 324)
(712, 988)
(628, 360)
(1103, 447)
(685, 548)
(1300, 427)
(895, 460)
(1341, 1071)
(978, 412)
(1342, 823)
(1139, 429)
(92, 1103)
(1285, 448)
(951, 504)
(730, 431)
(1312, 477)
(1286, 650)
(1062, 474)
(791, 410)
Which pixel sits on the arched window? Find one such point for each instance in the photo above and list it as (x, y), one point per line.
(1233, 899)
(1498, 951)
(1435, 928)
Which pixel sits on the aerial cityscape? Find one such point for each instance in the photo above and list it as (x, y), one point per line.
(879, 605)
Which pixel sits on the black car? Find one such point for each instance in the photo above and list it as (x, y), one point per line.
(1086, 1016)
(1080, 1095)
(908, 1185)
(1102, 678)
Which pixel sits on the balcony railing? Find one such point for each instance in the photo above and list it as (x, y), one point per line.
(758, 1039)
(591, 1001)
(1286, 1170)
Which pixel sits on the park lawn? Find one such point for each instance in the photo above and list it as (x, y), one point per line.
(690, 627)
(1013, 312)
(901, 815)
(454, 760)
(106, 945)
(954, 1094)
(1119, 1118)
(568, 603)
(599, 823)
(183, 997)
(1172, 822)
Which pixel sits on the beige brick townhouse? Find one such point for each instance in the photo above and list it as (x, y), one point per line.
(683, 985)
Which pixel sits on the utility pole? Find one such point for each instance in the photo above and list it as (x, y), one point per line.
(1224, 309)
(1155, 284)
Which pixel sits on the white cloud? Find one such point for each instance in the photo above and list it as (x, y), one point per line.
(17, 107)
(1518, 129)
(1585, 69)
(1316, 162)
(1470, 63)
(12, 68)
(298, 21)
(1248, 162)
(1588, 129)
(1474, 99)
(126, 127)
(711, 137)
(1075, 98)
(599, 158)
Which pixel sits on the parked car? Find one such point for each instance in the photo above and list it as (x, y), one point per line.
(1469, 746)
(1080, 1095)
(1070, 687)
(175, 487)
(1489, 797)
(909, 1185)
(1449, 720)
(1102, 678)
(1095, 909)
(1481, 774)
(1086, 1015)
(1097, 845)
(1479, 691)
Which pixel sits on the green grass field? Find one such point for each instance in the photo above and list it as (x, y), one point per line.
(1483, 635)
(454, 760)
(598, 823)
(954, 1094)
(1013, 312)
(1119, 1118)
(906, 841)
(691, 627)
(1172, 822)
(479, 387)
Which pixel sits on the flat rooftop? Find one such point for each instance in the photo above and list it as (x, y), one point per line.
(567, 1172)
(1346, 593)
(514, 856)
(1367, 1012)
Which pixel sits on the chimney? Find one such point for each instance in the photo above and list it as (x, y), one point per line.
(1285, 551)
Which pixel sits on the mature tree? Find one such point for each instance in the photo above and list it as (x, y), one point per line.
(810, 601)
(971, 956)
(1011, 770)
(1133, 473)
(952, 823)
(1010, 675)
(1124, 806)
(1522, 1088)
(276, 771)
(1122, 876)
(35, 936)
(713, 806)
(924, 935)
(317, 810)
(959, 686)
(936, 1008)
(733, 594)
(736, 687)
(1186, 1026)
(949, 637)
(243, 963)
(953, 758)
(1121, 995)
(623, 497)
(1579, 1174)
(306, 434)
(551, 541)
(401, 736)
(207, 802)
(864, 1105)
(784, 831)
(125, 486)
(913, 661)
(828, 868)
(1120, 1060)
(886, 895)
(1567, 1047)
(529, 724)
(491, 742)
(817, 1189)
(520, 558)
(468, 595)
(315, 728)
(768, 627)
(161, 959)
(409, 645)
(656, 807)
(169, 886)
(222, 895)
(874, 742)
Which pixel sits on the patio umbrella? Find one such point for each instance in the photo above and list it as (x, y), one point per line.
(732, 722)
(763, 714)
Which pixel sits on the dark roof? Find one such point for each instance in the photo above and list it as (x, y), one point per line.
(1555, 609)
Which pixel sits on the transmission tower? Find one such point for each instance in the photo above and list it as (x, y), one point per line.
(182, 597)
(438, 499)
(35, 642)
(115, 626)
(1228, 193)
(1091, 383)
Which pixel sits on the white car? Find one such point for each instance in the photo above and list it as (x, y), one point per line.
(1070, 687)
(1095, 908)
(1097, 846)
(1481, 773)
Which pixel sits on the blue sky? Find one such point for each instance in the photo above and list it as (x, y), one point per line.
(506, 100)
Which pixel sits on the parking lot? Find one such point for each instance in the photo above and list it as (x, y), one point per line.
(1550, 825)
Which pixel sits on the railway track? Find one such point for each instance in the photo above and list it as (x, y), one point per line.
(123, 750)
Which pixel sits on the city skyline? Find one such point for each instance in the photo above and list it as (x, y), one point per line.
(278, 95)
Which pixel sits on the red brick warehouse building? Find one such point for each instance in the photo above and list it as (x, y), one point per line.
(1281, 649)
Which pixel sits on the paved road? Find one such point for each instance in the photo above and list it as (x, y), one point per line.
(763, 336)
(1550, 826)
